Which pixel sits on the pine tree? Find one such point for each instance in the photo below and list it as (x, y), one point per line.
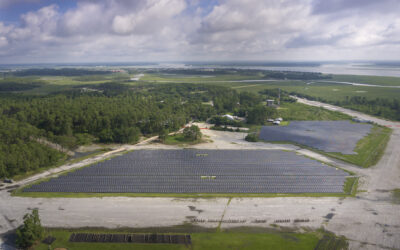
(31, 231)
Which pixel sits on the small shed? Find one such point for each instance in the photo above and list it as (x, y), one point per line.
(270, 102)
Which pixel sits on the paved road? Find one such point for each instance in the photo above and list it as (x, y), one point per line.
(371, 220)
(350, 112)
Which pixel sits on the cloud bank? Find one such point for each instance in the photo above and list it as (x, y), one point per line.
(162, 30)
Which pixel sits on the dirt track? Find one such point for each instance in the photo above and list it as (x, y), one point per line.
(370, 220)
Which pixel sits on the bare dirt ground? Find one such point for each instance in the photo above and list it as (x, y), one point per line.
(370, 220)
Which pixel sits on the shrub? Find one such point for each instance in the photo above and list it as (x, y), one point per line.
(251, 137)
(31, 231)
(192, 133)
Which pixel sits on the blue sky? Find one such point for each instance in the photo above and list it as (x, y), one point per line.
(176, 30)
(11, 11)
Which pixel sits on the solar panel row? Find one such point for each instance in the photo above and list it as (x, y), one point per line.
(218, 171)
(329, 136)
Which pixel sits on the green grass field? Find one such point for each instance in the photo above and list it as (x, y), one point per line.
(369, 149)
(376, 80)
(207, 239)
(329, 91)
(162, 78)
(302, 112)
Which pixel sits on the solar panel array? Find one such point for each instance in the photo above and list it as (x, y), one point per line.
(201, 171)
(329, 136)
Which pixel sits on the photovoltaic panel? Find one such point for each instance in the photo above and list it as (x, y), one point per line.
(329, 136)
(201, 171)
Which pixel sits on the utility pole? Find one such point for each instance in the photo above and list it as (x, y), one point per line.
(279, 96)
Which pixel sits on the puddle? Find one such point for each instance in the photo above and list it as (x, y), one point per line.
(329, 216)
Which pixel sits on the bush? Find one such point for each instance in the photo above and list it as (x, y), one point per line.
(251, 137)
(221, 121)
(162, 135)
(31, 231)
(192, 133)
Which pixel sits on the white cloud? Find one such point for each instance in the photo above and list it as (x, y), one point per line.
(88, 18)
(122, 30)
(150, 19)
(3, 41)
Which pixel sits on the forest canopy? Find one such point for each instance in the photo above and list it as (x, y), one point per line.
(115, 113)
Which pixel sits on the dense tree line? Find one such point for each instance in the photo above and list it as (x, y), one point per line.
(113, 113)
(19, 152)
(296, 75)
(60, 72)
(14, 84)
(387, 108)
(249, 105)
(292, 75)
(109, 113)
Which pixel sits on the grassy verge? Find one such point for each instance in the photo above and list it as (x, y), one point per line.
(20, 193)
(396, 196)
(350, 186)
(228, 239)
(302, 112)
(331, 241)
(369, 149)
(179, 139)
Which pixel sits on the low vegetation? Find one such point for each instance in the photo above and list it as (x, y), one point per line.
(330, 241)
(243, 238)
(228, 128)
(251, 137)
(302, 112)
(369, 149)
(396, 196)
(382, 107)
(19, 192)
(219, 121)
(350, 186)
(190, 135)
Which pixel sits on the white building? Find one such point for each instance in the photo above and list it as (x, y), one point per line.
(230, 117)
